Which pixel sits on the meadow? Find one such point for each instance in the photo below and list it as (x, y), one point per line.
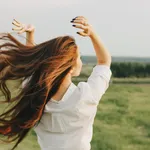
(122, 121)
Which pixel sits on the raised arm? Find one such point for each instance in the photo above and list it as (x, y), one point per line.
(28, 28)
(103, 56)
(98, 81)
(30, 38)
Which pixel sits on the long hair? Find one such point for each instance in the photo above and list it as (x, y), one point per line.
(46, 64)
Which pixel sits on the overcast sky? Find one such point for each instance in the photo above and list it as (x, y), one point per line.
(123, 25)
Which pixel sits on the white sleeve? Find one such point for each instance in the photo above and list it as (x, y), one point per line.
(96, 85)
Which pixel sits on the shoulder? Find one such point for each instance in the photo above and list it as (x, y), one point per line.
(102, 70)
(96, 85)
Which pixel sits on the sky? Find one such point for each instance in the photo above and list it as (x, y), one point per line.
(122, 25)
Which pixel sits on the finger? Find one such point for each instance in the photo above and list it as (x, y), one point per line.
(82, 33)
(15, 24)
(81, 17)
(23, 30)
(81, 22)
(80, 26)
(19, 28)
(17, 21)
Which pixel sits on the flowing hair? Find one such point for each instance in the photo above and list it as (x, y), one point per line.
(46, 64)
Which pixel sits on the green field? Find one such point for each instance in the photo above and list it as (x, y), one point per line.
(122, 121)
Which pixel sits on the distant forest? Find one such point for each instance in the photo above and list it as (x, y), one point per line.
(92, 59)
(124, 66)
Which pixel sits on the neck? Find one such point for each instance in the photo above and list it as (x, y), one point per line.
(63, 88)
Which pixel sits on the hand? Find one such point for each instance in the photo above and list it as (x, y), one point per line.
(21, 28)
(82, 23)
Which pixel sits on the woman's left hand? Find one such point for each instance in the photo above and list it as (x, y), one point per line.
(21, 28)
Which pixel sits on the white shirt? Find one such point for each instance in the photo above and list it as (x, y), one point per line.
(68, 124)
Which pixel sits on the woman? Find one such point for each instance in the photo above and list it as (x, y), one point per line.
(61, 113)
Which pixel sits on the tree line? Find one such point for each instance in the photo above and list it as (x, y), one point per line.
(130, 69)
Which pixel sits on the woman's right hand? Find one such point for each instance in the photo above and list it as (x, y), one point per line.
(82, 23)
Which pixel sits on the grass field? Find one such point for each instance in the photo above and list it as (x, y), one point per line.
(122, 121)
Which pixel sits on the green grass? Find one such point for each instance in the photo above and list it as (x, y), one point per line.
(122, 121)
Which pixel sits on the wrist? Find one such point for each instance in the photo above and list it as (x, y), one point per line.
(30, 38)
(92, 32)
(30, 29)
(92, 35)
(30, 32)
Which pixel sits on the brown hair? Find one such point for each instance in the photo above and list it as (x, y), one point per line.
(46, 64)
